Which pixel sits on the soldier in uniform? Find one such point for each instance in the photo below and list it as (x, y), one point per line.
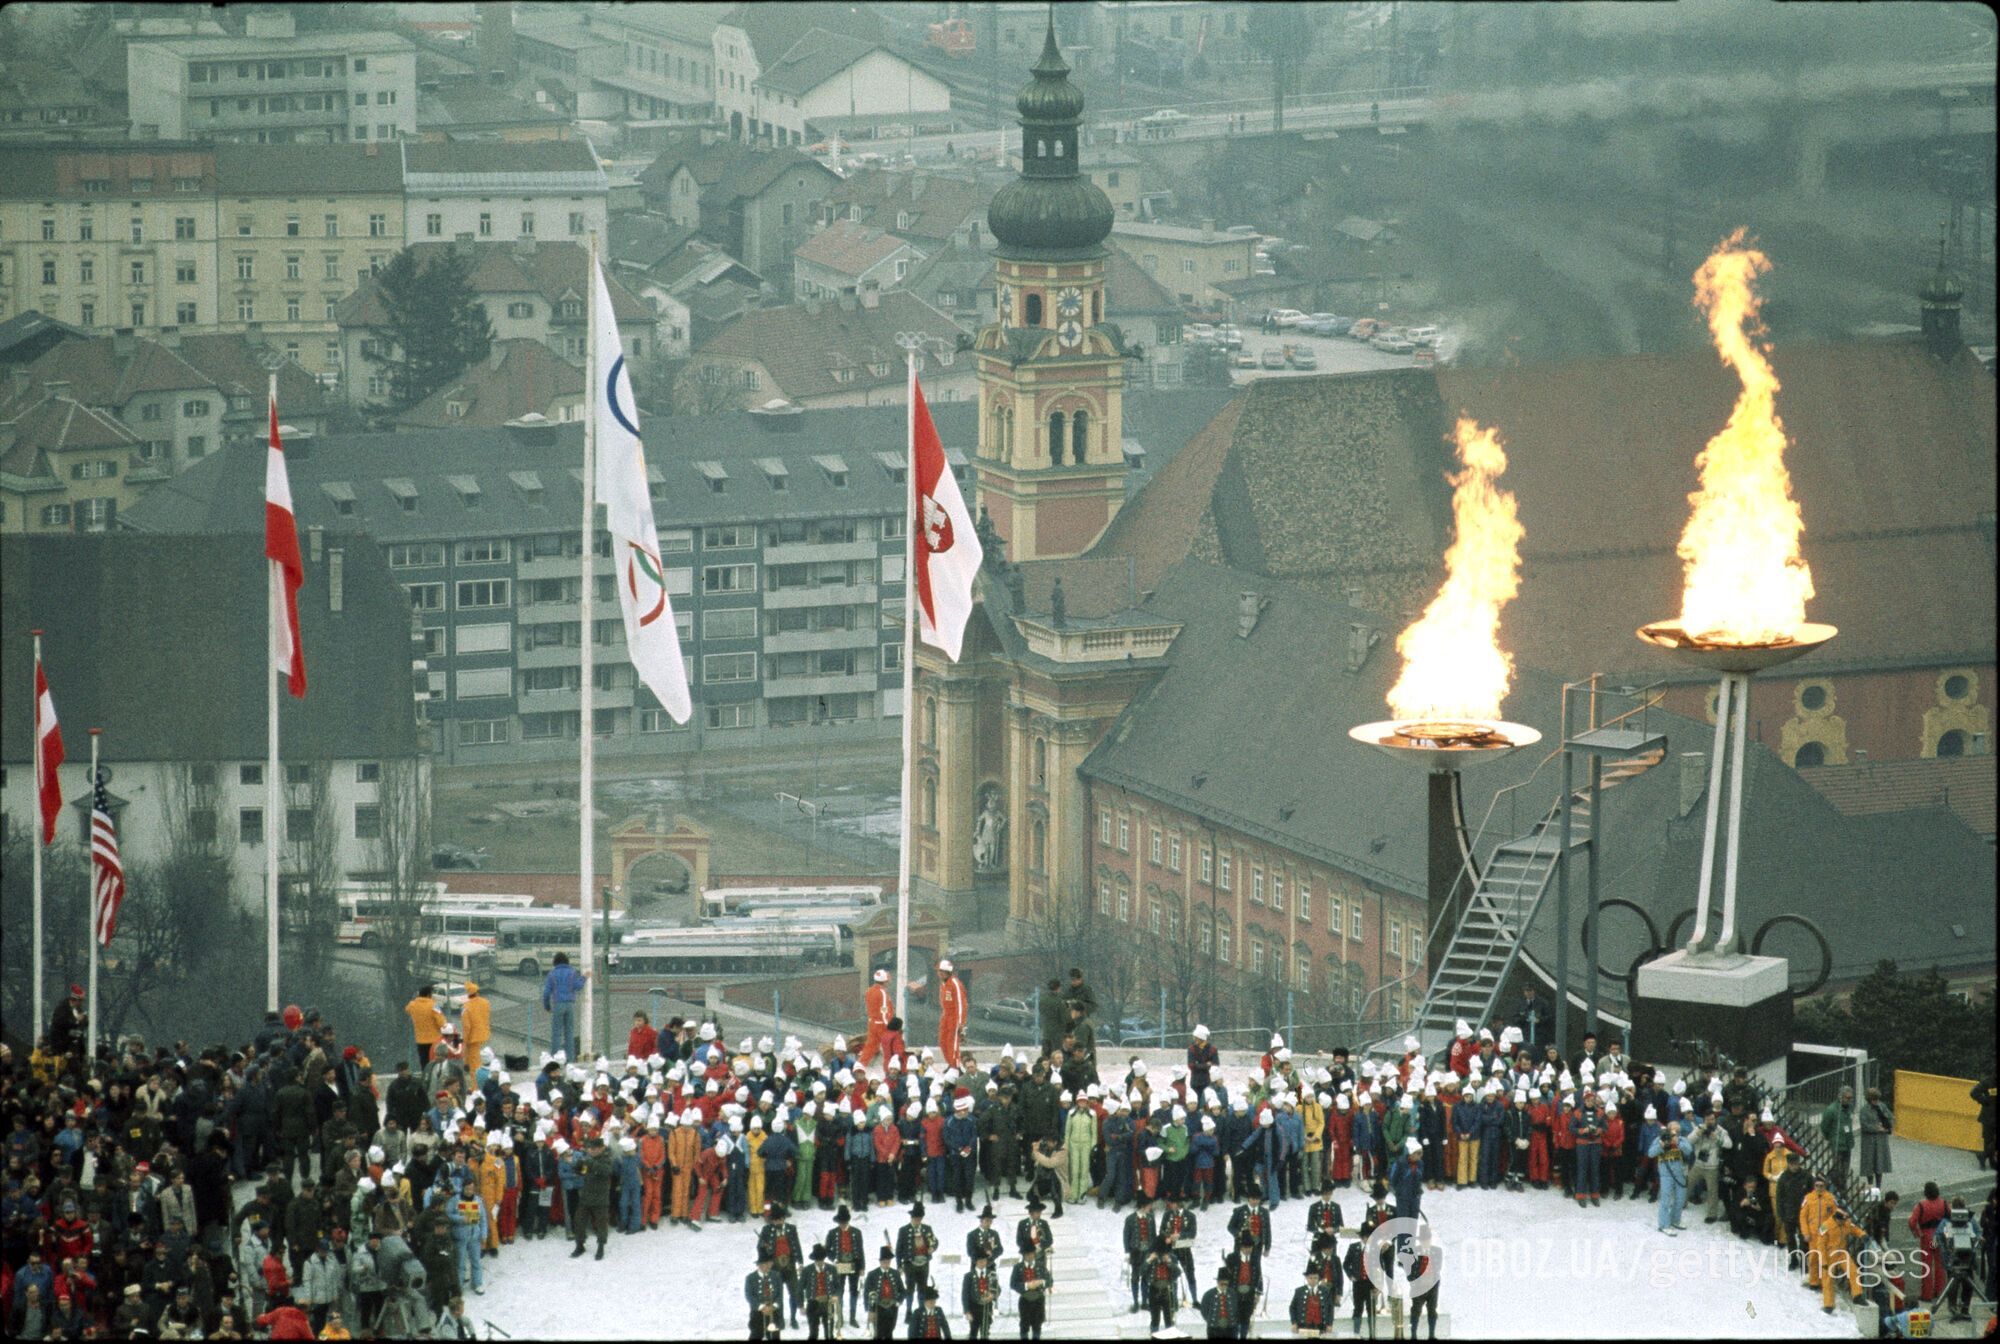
(980, 1293)
(882, 1290)
(1246, 1280)
(766, 1298)
(1314, 1306)
(1218, 1307)
(1177, 1225)
(844, 1251)
(983, 1239)
(1032, 1233)
(1324, 1217)
(822, 1294)
(916, 1243)
(1031, 1285)
(928, 1321)
(1140, 1229)
(780, 1240)
(1162, 1274)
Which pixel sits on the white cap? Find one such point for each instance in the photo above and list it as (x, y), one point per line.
(1650, 1114)
(1152, 1154)
(840, 1044)
(1066, 1098)
(756, 1122)
(707, 1032)
(1094, 1090)
(627, 1146)
(1200, 1032)
(1485, 1034)
(1412, 1146)
(944, 963)
(1680, 1087)
(1208, 1124)
(1409, 1101)
(1210, 1097)
(1284, 1053)
(881, 976)
(962, 1103)
(1267, 1118)
(1138, 1068)
(375, 1153)
(1411, 1043)
(1463, 1029)
(723, 1147)
(1767, 1118)
(561, 1145)
(1276, 1040)
(365, 1183)
(1340, 1102)
(913, 1110)
(1180, 1114)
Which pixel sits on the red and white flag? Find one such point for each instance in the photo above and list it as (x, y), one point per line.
(48, 754)
(281, 543)
(107, 874)
(945, 546)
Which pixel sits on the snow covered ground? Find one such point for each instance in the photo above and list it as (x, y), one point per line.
(1528, 1265)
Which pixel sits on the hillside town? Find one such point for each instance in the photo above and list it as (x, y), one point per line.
(931, 656)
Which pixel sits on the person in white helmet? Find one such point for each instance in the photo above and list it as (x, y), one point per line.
(879, 1007)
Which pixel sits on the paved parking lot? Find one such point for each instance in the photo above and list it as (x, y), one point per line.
(1335, 354)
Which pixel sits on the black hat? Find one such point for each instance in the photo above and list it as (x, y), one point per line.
(1160, 1243)
(843, 1215)
(1312, 1269)
(986, 1213)
(1222, 1273)
(817, 1253)
(764, 1257)
(887, 1254)
(917, 1209)
(1035, 1203)
(930, 1292)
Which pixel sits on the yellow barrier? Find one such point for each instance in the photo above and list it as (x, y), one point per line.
(1931, 1108)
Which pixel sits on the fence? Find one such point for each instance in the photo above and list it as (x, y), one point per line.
(1813, 1094)
(1932, 1108)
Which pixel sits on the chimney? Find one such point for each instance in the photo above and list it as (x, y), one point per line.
(1694, 780)
(124, 342)
(1249, 606)
(315, 542)
(495, 38)
(1361, 639)
(336, 577)
(871, 297)
(1977, 746)
(56, 387)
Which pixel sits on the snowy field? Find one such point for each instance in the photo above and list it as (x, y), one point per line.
(1515, 1266)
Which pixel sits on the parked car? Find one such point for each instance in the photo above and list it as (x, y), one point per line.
(1166, 116)
(1230, 336)
(1274, 358)
(1242, 359)
(1013, 1012)
(1287, 317)
(1364, 328)
(1198, 331)
(1302, 357)
(1422, 336)
(1393, 343)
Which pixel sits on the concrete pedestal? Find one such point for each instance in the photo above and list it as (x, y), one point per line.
(1740, 1005)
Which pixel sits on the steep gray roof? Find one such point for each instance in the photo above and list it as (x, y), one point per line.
(160, 641)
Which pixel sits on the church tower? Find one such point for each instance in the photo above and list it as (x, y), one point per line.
(1051, 456)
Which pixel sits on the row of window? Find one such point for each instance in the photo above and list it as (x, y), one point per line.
(204, 774)
(563, 723)
(367, 824)
(434, 228)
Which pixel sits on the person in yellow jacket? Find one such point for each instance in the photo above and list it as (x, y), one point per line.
(683, 1148)
(1775, 1162)
(426, 1024)
(753, 1144)
(492, 1190)
(1313, 1116)
(475, 1023)
(333, 1329)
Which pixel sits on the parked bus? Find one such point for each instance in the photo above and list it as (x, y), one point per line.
(366, 903)
(528, 946)
(719, 901)
(732, 949)
(453, 961)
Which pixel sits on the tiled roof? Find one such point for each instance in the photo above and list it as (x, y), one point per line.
(134, 643)
(238, 369)
(99, 375)
(53, 424)
(1177, 233)
(644, 240)
(849, 248)
(305, 43)
(26, 331)
(732, 171)
(486, 156)
(1965, 784)
(469, 104)
(800, 348)
(814, 59)
(59, 169)
(550, 270)
(774, 30)
(937, 204)
(1128, 289)
(529, 377)
(308, 169)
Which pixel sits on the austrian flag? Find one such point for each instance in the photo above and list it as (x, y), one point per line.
(944, 546)
(281, 545)
(48, 754)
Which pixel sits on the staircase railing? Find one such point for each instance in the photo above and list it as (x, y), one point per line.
(1802, 1127)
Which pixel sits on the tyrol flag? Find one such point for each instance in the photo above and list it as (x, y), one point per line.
(946, 546)
(651, 640)
(281, 543)
(107, 874)
(48, 754)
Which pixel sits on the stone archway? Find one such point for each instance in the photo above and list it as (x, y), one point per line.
(661, 886)
(652, 860)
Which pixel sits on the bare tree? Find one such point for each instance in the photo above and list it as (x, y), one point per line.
(313, 908)
(64, 921)
(1182, 969)
(402, 846)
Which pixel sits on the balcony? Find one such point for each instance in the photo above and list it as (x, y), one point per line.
(549, 655)
(824, 595)
(807, 552)
(831, 684)
(557, 566)
(812, 641)
(540, 613)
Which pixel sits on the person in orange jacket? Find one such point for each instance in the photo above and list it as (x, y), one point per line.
(879, 1009)
(475, 1022)
(492, 1190)
(683, 1152)
(710, 1175)
(426, 1024)
(652, 1172)
(953, 1011)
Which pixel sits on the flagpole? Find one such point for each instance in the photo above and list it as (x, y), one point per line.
(911, 343)
(274, 816)
(38, 1022)
(90, 878)
(586, 699)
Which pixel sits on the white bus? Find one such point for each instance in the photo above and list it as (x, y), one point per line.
(723, 949)
(719, 901)
(528, 945)
(363, 904)
(452, 961)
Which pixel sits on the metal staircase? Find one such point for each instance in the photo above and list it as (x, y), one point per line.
(1467, 981)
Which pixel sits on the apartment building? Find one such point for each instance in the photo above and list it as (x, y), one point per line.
(1189, 263)
(665, 65)
(115, 235)
(476, 192)
(273, 86)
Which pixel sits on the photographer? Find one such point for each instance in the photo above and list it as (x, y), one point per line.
(1671, 1167)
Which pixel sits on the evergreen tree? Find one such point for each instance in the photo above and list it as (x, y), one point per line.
(435, 326)
(1908, 1021)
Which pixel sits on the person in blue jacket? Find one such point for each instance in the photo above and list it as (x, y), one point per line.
(1430, 1134)
(1292, 1136)
(1259, 1155)
(1367, 1141)
(630, 1187)
(961, 1151)
(559, 990)
(1204, 1149)
(1117, 1136)
(1406, 1178)
(736, 1195)
(1492, 1141)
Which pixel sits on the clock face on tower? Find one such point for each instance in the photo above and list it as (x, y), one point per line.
(1069, 332)
(1006, 305)
(1069, 303)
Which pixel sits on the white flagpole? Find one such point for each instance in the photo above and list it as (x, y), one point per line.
(909, 680)
(90, 878)
(38, 1023)
(586, 707)
(274, 816)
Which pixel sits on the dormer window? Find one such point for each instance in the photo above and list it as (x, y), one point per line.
(1059, 148)
(880, 368)
(902, 219)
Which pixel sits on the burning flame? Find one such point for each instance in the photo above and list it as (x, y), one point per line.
(1453, 665)
(1745, 582)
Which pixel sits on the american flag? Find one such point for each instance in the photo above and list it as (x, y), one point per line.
(107, 874)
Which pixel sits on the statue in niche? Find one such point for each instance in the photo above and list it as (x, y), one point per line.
(989, 833)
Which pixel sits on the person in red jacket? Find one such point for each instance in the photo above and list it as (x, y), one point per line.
(277, 1283)
(1540, 1118)
(952, 1011)
(286, 1322)
(879, 1010)
(710, 1176)
(1462, 1049)
(643, 1040)
(1340, 1140)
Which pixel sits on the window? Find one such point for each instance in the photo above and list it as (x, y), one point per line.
(86, 229)
(1124, 900)
(246, 308)
(1104, 828)
(138, 314)
(332, 224)
(1173, 853)
(485, 223)
(1416, 944)
(1204, 938)
(1305, 903)
(197, 446)
(48, 272)
(194, 408)
(1207, 865)
(292, 315)
(138, 230)
(425, 596)
(1155, 845)
(1354, 921)
(731, 716)
(330, 268)
(246, 267)
(729, 623)
(250, 775)
(484, 593)
(378, 226)
(1277, 891)
(1222, 943)
(100, 470)
(183, 228)
(485, 682)
(729, 579)
(416, 555)
(360, 65)
(49, 231)
(1153, 916)
(184, 273)
(1125, 835)
(1104, 899)
(292, 266)
(492, 551)
(717, 667)
(55, 515)
(575, 222)
(1256, 886)
(87, 313)
(1256, 957)
(527, 224)
(1222, 874)
(1395, 947)
(138, 272)
(250, 825)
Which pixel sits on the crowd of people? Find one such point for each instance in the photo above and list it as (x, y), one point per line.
(289, 1187)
